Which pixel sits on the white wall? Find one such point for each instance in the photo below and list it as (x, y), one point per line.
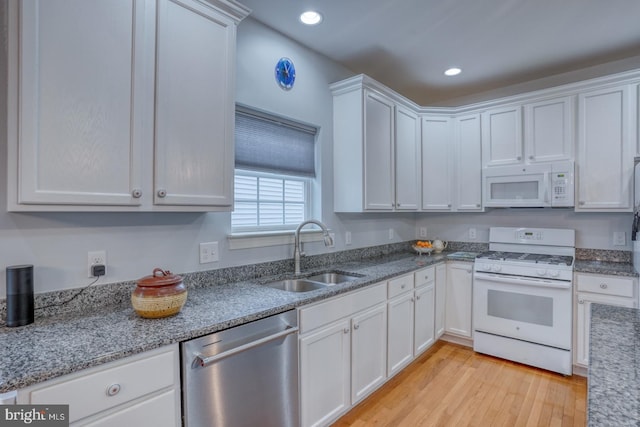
(57, 243)
(593, 230)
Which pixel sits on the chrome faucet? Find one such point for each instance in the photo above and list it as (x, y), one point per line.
(328, 240)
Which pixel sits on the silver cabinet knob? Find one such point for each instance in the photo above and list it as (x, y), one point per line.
(403, 286)
(478, 205)
(531, 157)
(519, 158)
(417, 297)
(162, 193)
(113, 389)
(345, 330)
(580, 301)
(397, 205)
(581, 203)
(356, 326)
(603, 286)
(136, 193)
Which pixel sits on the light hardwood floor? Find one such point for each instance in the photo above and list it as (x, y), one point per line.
(451, 385)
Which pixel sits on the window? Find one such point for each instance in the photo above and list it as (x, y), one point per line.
(275, 167)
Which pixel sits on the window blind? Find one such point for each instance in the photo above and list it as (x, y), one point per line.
(269, 144)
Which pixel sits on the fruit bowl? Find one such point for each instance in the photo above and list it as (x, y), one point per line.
(422, 250)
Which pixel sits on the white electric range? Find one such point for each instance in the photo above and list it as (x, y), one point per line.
(522, 297)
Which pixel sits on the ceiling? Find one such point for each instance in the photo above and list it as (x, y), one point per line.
(407, 44)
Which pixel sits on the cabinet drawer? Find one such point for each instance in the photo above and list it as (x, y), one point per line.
(400, 285)
(345, 305)
(424, 277)
(113, 385)
(608, 285)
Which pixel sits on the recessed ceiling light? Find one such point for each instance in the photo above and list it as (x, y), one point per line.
(453, 71)
(310, 17)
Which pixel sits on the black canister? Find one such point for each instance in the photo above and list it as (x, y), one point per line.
(19, 295)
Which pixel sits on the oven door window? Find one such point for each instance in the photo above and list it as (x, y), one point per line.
(520, 307)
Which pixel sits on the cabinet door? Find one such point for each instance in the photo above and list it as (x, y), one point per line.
(195, 91)
(368, 352)
(407, 159)
(400, 333)
(81, 99)
(437, 162)
(583, 321)
(157, 411)
(325, 373)
(468, 183)
(441, 286)
(549, 130)
(458, 299)
(502, 136)
(605, 150)
(424, 332)
(378, 152)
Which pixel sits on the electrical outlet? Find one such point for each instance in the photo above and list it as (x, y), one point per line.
(423, 232)
(472, 233)
(347, 238)
(619, 238)
(391, 234)
(96, 258)
(209, 252)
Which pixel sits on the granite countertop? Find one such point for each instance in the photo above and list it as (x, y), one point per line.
(614, 364)
(62, 344)
(605, 267)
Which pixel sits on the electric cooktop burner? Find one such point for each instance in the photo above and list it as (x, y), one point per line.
(525, 257)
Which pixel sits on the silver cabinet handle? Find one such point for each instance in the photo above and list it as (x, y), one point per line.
(136, 193)
(603, 286)
(113, 389)
(162, 193)
(356, 326)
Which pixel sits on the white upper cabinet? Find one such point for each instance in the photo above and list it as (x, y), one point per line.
(606, 147)
(376, 146)
(123, 122)
(378, 152)
(548, 133)
(549, 130)
(407, 158)
(502, 136)
(468, 165)
(437, 163)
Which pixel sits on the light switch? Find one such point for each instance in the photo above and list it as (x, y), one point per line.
(619, 238)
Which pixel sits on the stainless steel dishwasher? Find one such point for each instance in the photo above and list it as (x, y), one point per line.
(243, 376)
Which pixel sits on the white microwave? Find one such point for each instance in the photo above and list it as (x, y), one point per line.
(529, 186)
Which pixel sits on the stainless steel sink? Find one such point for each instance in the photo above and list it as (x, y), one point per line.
(296, 285)
(317, 281)
(333, 277)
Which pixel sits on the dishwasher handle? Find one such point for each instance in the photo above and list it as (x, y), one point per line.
(204, 361)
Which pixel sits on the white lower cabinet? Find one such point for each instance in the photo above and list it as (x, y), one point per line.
(440, 298)
(342, 353)
(458, 299)
(141, 390)
(599, 289)
(410, 328)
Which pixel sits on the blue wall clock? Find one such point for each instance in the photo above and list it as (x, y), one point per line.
(285, 73)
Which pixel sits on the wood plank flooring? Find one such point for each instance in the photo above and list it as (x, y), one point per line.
(451, 385)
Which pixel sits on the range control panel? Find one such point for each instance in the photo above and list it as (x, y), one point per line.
(529, 235)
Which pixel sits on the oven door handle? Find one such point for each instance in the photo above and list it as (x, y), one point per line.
(527, 281)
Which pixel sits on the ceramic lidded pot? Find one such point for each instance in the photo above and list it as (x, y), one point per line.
(439, 245)
(161, 294)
